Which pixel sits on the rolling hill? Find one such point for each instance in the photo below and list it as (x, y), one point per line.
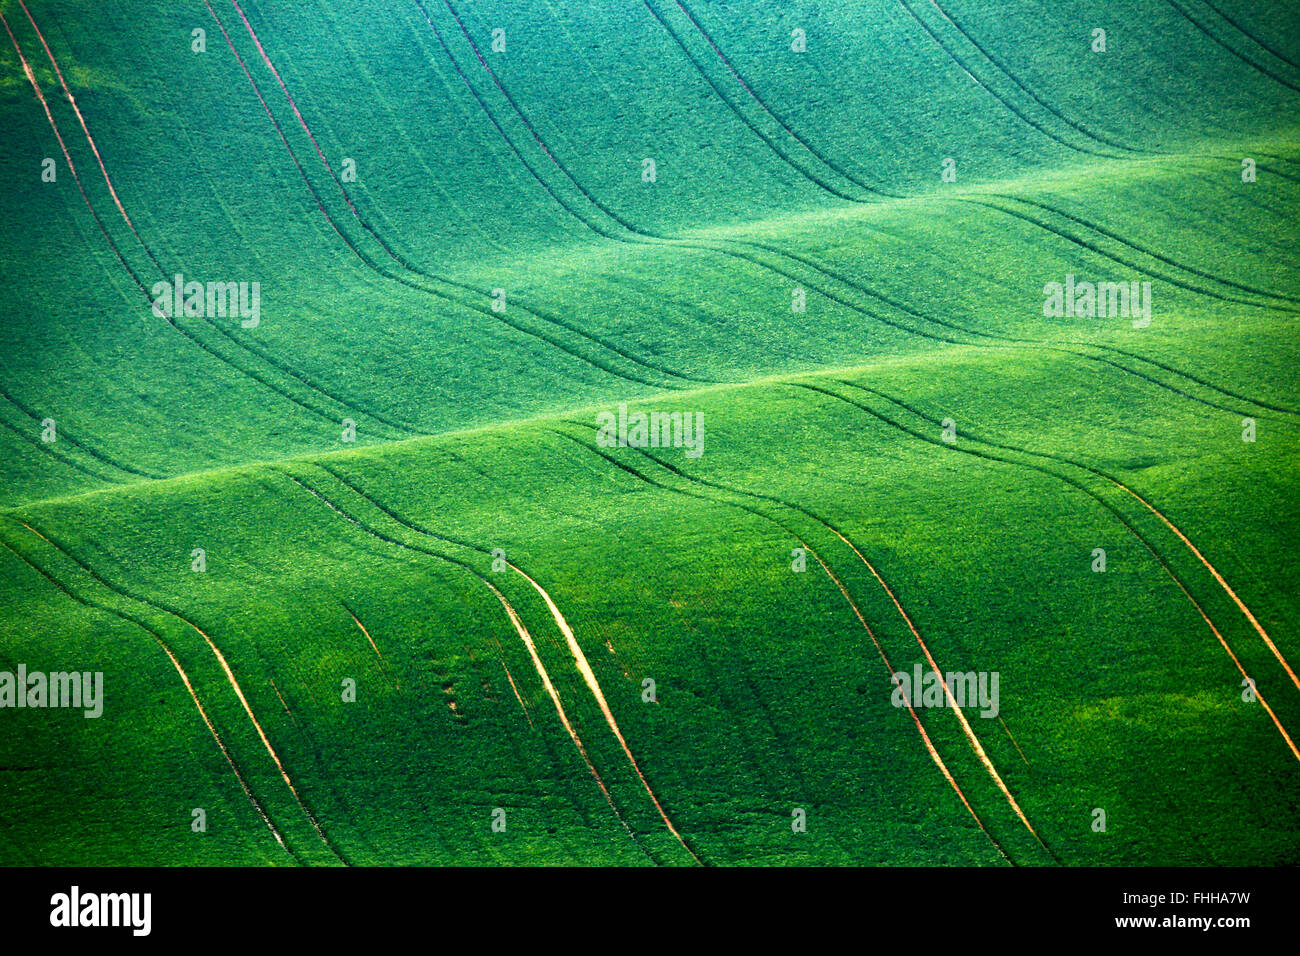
(368, 573)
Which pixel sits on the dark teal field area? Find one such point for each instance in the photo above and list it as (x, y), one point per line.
(368, 584)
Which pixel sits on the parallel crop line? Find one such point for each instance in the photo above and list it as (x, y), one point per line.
(221, 660)
(1240, 56)
(640, 236)
(1042, 470)
(184, 678)
(1024, 118)
(925, 737)
(403, 263)
(515, 621)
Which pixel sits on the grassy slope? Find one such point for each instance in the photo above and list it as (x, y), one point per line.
(771, 694)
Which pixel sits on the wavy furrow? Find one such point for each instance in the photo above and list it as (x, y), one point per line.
(135, 276)
(515, 620)
(1003, 341)
(221, 661)
(67, 156)
(1029, 91)
(1219, 579)
(513, 686)
(920, 728)
(1286, 737)
(1199, 381)
(1201, 273)
(589, 676)
(72, 100)
(551, 692)
(46, 447)
(925, 737)
(1000, 340)
(729, 252)
(1220, 42)
(487, 112)
(144, 291)
(1076, 485)
(406, 281)
(404, 263)
(78, 443)
(185, 679)
(537, 137)
(636, 235)
(1251, 36)
(1223, 584)
(31, 78)
(1093, 247)
(1227, 589)
(383, 662)
(379, 269)
(789, 129)
(1016, 111)
(952, 703)
(51, 448)
(750, 124)
(444, 538)
(580, 659)
(969, 732)
(641, 476)
(643, 237)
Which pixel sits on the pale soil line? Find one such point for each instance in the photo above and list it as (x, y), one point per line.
(594, 686)
(401, 260)
(527, 639)
(36, 87)
(217, 737)
(185, 679)
(302, 122)
(522, 705)
(81, 119)
(1258, 693)
(519, 628)
(38, 534)
(925, 737)
(844, 591)
(952, 703)
(239, 692)
(283, 702)
(1217, 576)
(383, 663)
(510, 677)
(136, 278)
(1156, 556)
(1012, 738)
(357, 620)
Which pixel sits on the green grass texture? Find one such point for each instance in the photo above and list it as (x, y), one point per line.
(437, 620)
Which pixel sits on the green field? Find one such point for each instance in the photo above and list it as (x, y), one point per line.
(367, 586)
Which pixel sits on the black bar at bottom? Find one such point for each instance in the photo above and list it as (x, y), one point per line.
(618, 907)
